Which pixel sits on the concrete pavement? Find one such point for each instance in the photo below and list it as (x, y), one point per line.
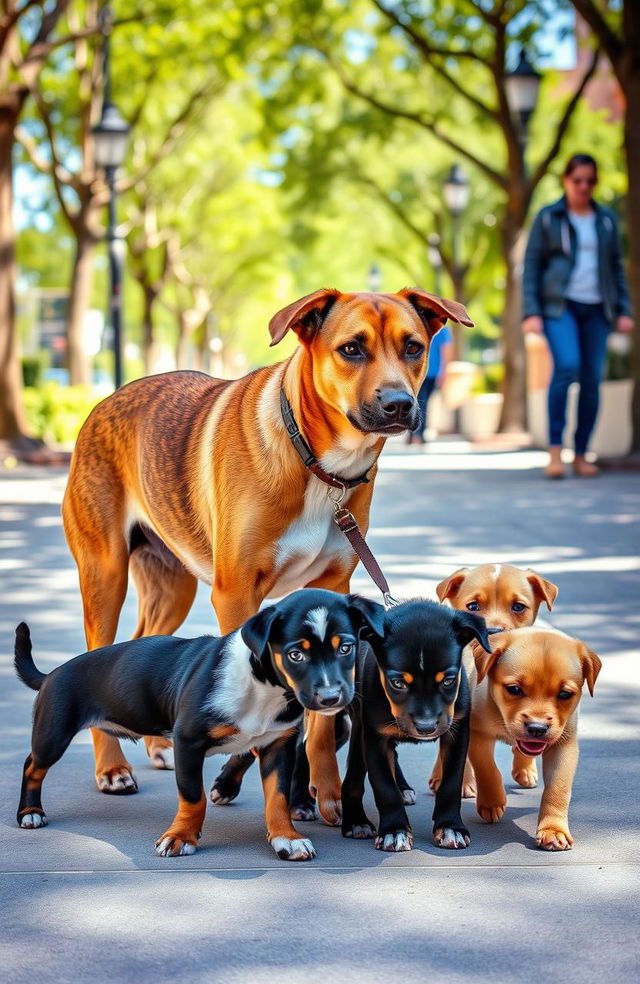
(86, 898)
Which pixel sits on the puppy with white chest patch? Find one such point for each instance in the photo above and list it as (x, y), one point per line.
(526, 694)
(246, 690)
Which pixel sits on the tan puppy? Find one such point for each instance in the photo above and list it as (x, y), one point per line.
(181, 477)
(527, 693)
(507, 598)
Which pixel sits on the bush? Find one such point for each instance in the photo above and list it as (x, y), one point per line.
(56, 413)
(32, 368)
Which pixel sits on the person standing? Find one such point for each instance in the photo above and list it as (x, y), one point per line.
(440, 351)
(575, 292)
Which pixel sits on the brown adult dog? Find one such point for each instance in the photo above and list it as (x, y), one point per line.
(181, 477)
(527, 694)
(507, 598)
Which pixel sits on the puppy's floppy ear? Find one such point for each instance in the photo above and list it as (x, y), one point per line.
(304, 316)
(591, 664)
(433, 310)
(543, 590)
(486, 661)
(369, 616)
(468, 627)
(255, 632)
(451, 585)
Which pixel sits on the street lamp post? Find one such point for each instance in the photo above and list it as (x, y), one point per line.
(374, 278)
(521, 87)
(110, 145)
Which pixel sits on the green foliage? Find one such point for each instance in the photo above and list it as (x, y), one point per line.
(32, 368)
(490, 379)
(56, 413)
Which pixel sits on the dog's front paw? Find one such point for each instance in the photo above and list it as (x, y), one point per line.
(170, 846)
(359, 831)
(450, 838)
(527, 777)
(554, 839)
(491, 812)
(33, 819)
(329, 804)
(293, 849)
(469, 790)
(223, 791)
(118, 780)
(434, 781)
(399, 840)
(304, 812)
(408, 796)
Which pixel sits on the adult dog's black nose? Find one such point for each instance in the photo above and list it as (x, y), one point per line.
(396, 404)
(537, 729)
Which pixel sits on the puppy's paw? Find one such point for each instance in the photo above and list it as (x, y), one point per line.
(451, 839)
(222, 793)
(408, 796)
(359, 831)
(554, 839)
(491, 812)
(304, 812)
(162, 758)
(469, 790)
(33, 819)
(329, 805)
(527, 778)
(434, 782)
(399, 840)
(119, 781)
(169, 846)
(294, 849)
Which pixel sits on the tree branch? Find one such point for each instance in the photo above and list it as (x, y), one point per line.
(611, 43)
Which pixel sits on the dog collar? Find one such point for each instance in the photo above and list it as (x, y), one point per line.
(306, 454)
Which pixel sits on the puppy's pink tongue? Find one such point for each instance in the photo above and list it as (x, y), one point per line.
(532, 748)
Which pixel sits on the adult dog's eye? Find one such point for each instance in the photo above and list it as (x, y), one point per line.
(518, 607)
(295, 656)
(449, 681)
(473, 606)
(345, 648)
(352, 350)
(414, 348)
(514, 689)
(397, 684)
(565, 695)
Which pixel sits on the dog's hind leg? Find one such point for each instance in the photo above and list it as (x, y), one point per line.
(94, 527)
(165, 592)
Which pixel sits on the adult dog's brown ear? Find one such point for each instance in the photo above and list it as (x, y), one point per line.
(591, 664)
(451, 585)
(543, 590)
(485, 661)
(304, 316)
(434, 311)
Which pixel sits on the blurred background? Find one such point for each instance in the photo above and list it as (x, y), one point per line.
(173, 173)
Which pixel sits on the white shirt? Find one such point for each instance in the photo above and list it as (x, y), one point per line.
(584, 282)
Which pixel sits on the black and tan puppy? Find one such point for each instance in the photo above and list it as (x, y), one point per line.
(246, 690)
(411, 687)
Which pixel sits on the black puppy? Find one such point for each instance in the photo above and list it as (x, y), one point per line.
(411, 686)
(246, 690)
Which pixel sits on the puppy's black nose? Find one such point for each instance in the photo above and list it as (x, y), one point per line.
(425, 726)
(328, 697)
(537, 729)
(396, 404)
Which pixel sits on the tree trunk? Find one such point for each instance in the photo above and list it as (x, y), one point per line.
(513, 416)
(13, 425)
(149, 346)
(632, 148)
(79, 300)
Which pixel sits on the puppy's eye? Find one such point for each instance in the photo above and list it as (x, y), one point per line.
(346, 648)
(473, 606)
(518, 607)
(397, 684)
(295, 656)
(351, 350)
(414, 349)
(514, 690)
(449, 681)
(565, 695)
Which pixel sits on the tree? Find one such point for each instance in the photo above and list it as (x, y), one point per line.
(618, 32)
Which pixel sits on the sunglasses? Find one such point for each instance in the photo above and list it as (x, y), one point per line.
(584, 181)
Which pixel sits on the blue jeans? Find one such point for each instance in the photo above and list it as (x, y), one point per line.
(578, 343)
(425, 391)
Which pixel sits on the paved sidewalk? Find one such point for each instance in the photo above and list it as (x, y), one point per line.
(86, 898)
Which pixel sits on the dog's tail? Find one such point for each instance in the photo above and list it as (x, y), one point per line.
(23, 662)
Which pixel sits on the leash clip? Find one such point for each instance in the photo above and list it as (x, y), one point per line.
(337, 496)
(389, 600)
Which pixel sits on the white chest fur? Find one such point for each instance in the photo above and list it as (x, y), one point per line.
(251, 706)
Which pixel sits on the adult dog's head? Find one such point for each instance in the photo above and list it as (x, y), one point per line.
(307, 644)
(368, 352)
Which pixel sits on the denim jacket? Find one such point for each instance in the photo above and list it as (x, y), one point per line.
(551, 255)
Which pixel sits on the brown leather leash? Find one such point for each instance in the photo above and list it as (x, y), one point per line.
(342, 517)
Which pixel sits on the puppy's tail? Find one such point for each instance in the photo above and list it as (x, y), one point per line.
(23, 662)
